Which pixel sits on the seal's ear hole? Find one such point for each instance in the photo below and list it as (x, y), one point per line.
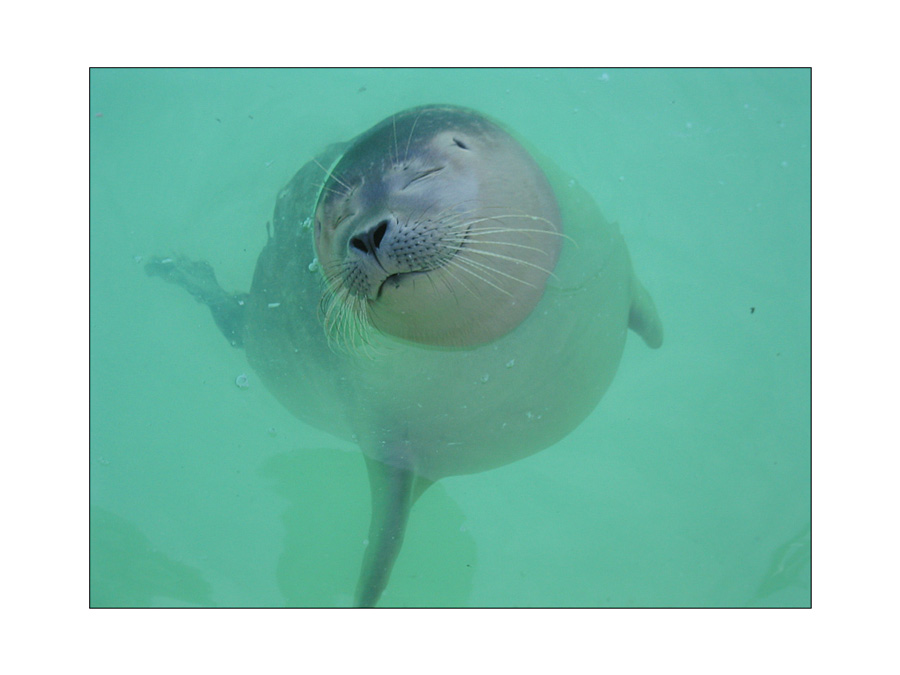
(460, 143)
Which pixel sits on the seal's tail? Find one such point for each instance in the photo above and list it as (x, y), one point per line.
(643, 318)
(394, 491)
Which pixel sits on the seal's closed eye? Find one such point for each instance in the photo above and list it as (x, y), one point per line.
(424, 174)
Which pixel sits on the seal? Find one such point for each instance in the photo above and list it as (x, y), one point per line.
(438, 294)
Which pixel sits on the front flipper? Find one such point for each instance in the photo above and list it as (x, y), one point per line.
(643, 318)
(394, 491)
(198, 279)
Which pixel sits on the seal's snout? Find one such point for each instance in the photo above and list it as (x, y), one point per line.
(369, 242)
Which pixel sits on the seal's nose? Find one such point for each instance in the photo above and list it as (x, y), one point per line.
(370, 240)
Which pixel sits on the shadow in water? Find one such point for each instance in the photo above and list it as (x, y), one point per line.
(327, 521)
(127, 571)
(788, 575)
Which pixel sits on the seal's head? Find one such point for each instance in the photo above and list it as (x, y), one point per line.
(436, 227)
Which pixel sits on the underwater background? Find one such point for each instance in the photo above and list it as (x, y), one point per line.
(688, 486)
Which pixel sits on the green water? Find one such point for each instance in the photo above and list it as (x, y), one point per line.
(688, 486)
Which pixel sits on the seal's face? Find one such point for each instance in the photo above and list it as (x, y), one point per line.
(436, 227)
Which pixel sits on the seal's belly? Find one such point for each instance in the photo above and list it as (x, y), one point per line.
(470, 410)
(453, 411)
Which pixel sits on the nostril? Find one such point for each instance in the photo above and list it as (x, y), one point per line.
(379, 232)
(358, 243)
(368, 242)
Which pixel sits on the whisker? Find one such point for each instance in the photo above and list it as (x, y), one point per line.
(409, 140)
(331, 174)
(506, 230)
(339, 193)
(514, 215)
(396, 160)
(493, 270)
(458, 219)
(488, 268)
(446, 269)
(344, 317)
(462, 238)
(459, 262)
(518, 261)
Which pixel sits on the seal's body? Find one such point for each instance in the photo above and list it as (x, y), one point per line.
(436, 295)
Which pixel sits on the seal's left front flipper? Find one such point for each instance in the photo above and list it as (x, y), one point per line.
(394, 491)
(198, 279)
(643, 318)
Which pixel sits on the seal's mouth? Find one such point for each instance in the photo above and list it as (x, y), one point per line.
(396, 279)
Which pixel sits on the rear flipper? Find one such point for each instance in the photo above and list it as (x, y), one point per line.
(643, 318)
(198, 279)
(394, 491)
